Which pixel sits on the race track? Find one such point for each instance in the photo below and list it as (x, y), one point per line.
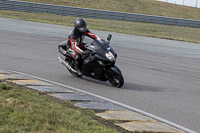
(162, 77)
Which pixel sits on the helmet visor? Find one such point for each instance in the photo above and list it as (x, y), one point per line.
(81, 28)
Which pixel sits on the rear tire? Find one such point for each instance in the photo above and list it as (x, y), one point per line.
(73, 65)
(75, 74)
(116, 80)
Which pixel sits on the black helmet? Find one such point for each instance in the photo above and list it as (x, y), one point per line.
(80, 24)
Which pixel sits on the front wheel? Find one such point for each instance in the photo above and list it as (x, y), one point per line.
(116, 80)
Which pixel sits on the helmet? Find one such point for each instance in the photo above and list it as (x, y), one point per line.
(80, 24)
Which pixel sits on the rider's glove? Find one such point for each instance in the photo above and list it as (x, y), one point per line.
(85, 54)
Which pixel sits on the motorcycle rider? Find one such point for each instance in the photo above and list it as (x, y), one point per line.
(75, 44)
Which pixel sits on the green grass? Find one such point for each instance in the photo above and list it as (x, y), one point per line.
(143, 29)
(151, 7)
(22, 110)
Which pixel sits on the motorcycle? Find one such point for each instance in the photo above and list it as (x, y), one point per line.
(99, 63)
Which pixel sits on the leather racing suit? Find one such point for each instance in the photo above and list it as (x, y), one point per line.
(75, 44)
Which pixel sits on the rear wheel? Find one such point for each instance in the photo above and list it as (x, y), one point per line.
(116, 80)
(75, 67)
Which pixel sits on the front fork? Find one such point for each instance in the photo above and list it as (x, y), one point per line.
(113, 69)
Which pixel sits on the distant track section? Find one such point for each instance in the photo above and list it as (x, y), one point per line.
(93, 13)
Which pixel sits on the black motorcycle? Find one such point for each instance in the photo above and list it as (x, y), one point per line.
(99, 64)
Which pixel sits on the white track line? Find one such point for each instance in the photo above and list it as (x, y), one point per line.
(112, 101)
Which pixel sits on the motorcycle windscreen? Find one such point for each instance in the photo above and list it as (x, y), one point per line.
(99, 47)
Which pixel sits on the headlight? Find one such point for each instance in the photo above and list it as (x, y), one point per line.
(110, 56)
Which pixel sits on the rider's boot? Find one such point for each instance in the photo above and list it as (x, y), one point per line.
(78, 64)
(76, 60)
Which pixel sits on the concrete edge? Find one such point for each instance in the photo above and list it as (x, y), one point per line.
(109, 100)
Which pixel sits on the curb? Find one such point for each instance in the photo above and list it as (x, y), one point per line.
(124, 116)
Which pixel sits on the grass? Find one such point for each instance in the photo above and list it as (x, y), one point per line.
(22, 110)
(187, 34)
(151, 7)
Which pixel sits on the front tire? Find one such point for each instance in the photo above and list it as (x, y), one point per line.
(116, 80)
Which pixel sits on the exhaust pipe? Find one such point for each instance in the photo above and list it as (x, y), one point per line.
(61, 60)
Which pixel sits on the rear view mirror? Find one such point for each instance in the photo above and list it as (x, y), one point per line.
(109, 37)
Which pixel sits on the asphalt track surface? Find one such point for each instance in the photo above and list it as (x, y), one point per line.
(162, 77)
